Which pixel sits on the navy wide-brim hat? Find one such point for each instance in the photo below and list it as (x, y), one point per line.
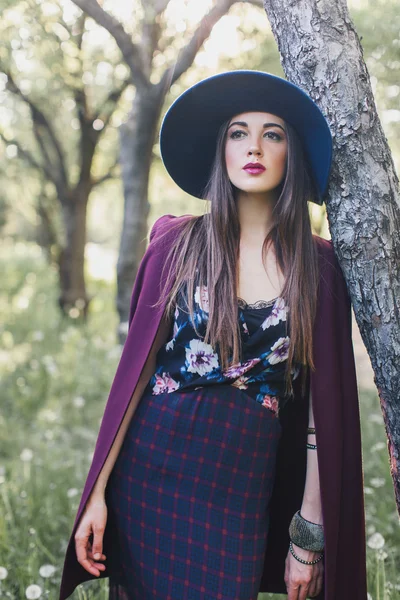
(189, 129)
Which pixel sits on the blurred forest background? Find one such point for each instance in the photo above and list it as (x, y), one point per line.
(65, 96)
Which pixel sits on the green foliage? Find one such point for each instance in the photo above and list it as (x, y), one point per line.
(378, 25)
(55, 382)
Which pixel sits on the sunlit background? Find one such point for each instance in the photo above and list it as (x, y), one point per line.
(56, 374)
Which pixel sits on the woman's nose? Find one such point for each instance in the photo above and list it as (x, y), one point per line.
(254, 149)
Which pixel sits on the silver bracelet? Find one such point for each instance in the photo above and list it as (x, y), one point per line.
(305, 534)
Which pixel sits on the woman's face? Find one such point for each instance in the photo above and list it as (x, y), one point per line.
(256, 137)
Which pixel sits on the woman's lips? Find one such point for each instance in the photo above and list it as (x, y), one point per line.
(254, 170)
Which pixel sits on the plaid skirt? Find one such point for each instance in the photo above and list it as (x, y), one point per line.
(189, 495)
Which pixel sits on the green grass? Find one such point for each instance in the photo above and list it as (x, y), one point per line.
(55, 378)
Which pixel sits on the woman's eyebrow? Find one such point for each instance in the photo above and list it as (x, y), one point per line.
(244, 124)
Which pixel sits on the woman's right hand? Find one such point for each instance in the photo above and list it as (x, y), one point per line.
(94, 521)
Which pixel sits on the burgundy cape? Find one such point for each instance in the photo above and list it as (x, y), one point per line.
(337, 422)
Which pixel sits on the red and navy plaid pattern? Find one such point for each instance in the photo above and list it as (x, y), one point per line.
(189, 496)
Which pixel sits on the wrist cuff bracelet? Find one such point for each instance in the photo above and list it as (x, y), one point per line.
(305, 534)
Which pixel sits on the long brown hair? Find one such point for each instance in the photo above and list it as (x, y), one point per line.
(207, 252)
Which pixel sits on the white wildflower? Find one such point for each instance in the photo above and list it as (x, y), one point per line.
(33, 591)
(47, 414)
(26, 455)
(375, 418)
(382, 554)
(377, 482)
(78, 401)
(47, 570)
(50, 364)
(72, 492)
(37, 336)
(3, 573)
(378, 446)
(376, 541)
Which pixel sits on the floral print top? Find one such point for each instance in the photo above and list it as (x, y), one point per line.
(187, 362)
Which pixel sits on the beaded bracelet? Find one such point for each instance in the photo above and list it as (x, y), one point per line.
(305, 562)
(311, 430)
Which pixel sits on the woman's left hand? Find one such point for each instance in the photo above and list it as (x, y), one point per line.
(303, 581)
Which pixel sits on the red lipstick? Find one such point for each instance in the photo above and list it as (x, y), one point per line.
(254, 168)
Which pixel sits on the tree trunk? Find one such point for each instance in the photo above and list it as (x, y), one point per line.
(71, 260)
(320, 52)
(46, 233)
(137, 139)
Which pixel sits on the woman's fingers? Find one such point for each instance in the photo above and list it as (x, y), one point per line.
(84, 551)
(93, 522)
(97, 564)
(302, 581)
(316, 584)
(91, 553)
(97, 546)
(81, 541)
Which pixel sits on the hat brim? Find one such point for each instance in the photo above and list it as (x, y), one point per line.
(189, 130)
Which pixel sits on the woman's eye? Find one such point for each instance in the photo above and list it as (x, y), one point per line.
(236, 134)
(277, 136)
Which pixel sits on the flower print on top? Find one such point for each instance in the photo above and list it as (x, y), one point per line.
(271, 402)
(241, 382)
(201, 297)
(278, 313)
(295, 371)
(238, 369)
(200, 357)
(170, 344)
(164, 383)
(187, 362)
(280, 350)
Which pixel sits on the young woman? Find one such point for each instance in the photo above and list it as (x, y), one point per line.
(186, 486)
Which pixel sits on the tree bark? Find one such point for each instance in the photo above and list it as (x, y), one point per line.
(321, 52)
(137, 138)
(71, 259)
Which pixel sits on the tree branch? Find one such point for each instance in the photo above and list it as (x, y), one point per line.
(112, 100)
(160, 6)
(129, 50)
(188, 53)
(41, 122)
(28, 157)
(111, 174)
